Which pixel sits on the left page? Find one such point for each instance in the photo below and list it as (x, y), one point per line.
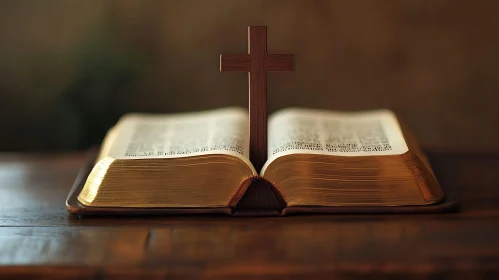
(221, 131)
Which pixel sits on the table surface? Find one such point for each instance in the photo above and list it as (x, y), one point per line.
(38, 236)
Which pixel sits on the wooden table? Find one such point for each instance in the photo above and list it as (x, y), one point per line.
(39, 237)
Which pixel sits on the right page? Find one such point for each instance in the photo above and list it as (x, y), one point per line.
(309, 131)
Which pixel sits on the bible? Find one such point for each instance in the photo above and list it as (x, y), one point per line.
(319, 161)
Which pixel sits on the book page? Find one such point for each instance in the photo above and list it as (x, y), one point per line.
(221, 131)
(308, 131)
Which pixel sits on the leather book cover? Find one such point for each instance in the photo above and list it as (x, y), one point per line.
(255, 197)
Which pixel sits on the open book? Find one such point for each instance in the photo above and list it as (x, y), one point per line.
(316, 158)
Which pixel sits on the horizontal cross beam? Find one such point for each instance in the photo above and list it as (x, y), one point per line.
(242, 62)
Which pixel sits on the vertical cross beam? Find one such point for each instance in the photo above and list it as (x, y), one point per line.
(256, 63)
(257, 78)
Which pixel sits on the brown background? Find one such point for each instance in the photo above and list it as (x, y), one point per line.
(68, 69)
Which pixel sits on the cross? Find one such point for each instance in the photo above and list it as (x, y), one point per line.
(256, 63)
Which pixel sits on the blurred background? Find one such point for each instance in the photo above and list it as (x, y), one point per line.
(69, 69)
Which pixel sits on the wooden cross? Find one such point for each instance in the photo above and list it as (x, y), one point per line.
(256, 63)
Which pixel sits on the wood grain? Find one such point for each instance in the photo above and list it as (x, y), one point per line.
(38, 238)
(235, 62)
